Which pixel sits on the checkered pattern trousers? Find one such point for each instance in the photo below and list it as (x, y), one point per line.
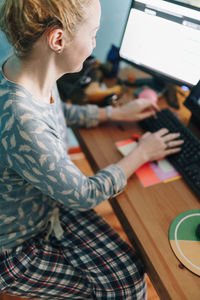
(90, 262)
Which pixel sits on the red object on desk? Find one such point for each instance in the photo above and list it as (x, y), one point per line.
(135, 137)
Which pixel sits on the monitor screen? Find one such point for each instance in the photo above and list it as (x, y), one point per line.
(163, 38)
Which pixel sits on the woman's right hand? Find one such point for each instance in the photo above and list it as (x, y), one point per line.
(157, 145)
(151, 146)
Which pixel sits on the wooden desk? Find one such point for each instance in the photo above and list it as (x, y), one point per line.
(146, 213)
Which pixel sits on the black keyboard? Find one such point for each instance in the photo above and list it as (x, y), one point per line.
(187, 161)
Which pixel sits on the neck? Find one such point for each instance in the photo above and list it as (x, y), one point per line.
(37, 74)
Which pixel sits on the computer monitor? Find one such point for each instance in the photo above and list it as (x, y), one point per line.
(163, 38)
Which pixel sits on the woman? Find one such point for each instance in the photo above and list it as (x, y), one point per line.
(52, 244)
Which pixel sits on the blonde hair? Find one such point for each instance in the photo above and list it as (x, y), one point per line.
(25, 21)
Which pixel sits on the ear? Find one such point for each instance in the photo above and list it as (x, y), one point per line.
(56, 40)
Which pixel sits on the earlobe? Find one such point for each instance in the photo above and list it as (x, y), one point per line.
(55, 40)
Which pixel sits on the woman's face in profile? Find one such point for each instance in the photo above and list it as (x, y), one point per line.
(77, 51)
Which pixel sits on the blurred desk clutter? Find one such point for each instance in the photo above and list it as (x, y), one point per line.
(114, 83)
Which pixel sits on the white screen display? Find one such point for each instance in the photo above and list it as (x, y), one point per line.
(165, 38)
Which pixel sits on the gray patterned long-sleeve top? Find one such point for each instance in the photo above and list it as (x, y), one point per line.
(35, 170)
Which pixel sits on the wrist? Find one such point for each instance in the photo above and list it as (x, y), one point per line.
(142, 154)
(116, 114)
(109, 111)
(131, 162)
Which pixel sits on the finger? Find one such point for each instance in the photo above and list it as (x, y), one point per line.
(162, 132)
(172, 151)
(171, 136)
(148, 103)
(146, 134)
(173, 144)
(147, 114)
(155, 106)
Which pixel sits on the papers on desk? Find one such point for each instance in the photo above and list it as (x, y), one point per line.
(153, 172)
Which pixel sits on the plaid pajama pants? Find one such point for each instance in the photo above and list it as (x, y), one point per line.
(90, 262)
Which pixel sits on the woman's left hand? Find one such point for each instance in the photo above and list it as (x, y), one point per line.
(135, 110)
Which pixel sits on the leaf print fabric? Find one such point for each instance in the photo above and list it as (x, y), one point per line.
(35, 170)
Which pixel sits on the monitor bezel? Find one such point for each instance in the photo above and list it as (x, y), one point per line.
(154, 73)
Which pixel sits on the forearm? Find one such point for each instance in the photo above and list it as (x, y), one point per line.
(90, 115)
(130, 163)
(81, 115)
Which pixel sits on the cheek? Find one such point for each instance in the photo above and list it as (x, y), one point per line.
(79, 57)
(86, 50)
(78, 53)
(86, 45)
(93, 44)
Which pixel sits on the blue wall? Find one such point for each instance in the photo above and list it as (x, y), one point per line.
(5, 48)
(114, 13)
